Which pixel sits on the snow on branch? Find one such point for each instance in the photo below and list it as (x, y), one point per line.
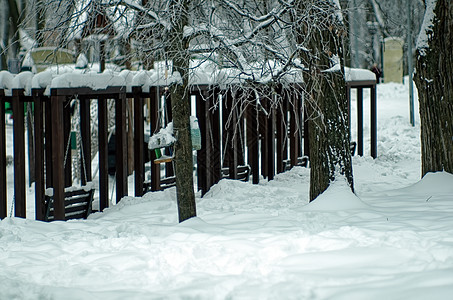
(426, 32)
(132, 5)
(272, 14)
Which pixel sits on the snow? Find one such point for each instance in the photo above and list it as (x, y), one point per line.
(23, 81)
(163, 138)
(392, 239)
(352, 74)
(6, 80)
(91, 80)
(426, 30)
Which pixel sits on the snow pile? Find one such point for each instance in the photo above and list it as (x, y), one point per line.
(163, 138)
(91, 80)
(6, 81)
(352, 74)
(23, 81)
(337, 197)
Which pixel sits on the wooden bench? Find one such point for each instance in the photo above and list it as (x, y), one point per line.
(243, 173)
(301, 162)
(77, 205)
(353, 146)
(165, 183)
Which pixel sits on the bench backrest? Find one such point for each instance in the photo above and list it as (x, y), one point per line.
(77, 205)
(243, 173)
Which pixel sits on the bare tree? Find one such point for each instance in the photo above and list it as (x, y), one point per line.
(262, 40)
(435, 86)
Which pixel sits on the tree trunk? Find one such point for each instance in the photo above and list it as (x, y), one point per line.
(5, 36)
(180, 102)
(16, 19)
(326, 102)
(434, 80)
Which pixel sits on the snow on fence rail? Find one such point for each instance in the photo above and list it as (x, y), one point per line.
(266, 139)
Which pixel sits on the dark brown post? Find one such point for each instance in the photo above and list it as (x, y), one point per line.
(39, 155)
(299, 124)
(270, 132)
(154, 116)
(138, 141)
(67, 143)
(85, 133)
(252, 141)
(229, 138)
(48, 142)
(348, 96)
(373, 122)
(262, 125)
(306, 135)
(216, 169)
(203, 157)
(19, 154)
(2, 156)
(293, 129)
(280, 121)
(101, 56)
(121, 146)
(103, 153)
(239, 120)
(58, 154)
(168, 166)
(360, 121)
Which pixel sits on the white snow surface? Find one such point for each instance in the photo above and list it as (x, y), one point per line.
(352, 74)
(392, 239)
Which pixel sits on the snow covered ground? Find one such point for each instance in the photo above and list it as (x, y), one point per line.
(393, 239)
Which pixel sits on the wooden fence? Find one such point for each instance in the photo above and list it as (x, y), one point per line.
(235, 131)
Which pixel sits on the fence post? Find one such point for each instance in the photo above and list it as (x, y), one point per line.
(214, 120)
(103, 153)
(373, 122)
(19, 154)
(252, 140)
(39, 155)
(85, 133)
(359, 121)
(121, 146)
(67, 142)
(58, 154)
(138, 141)
(154, 118)
(2, 156)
